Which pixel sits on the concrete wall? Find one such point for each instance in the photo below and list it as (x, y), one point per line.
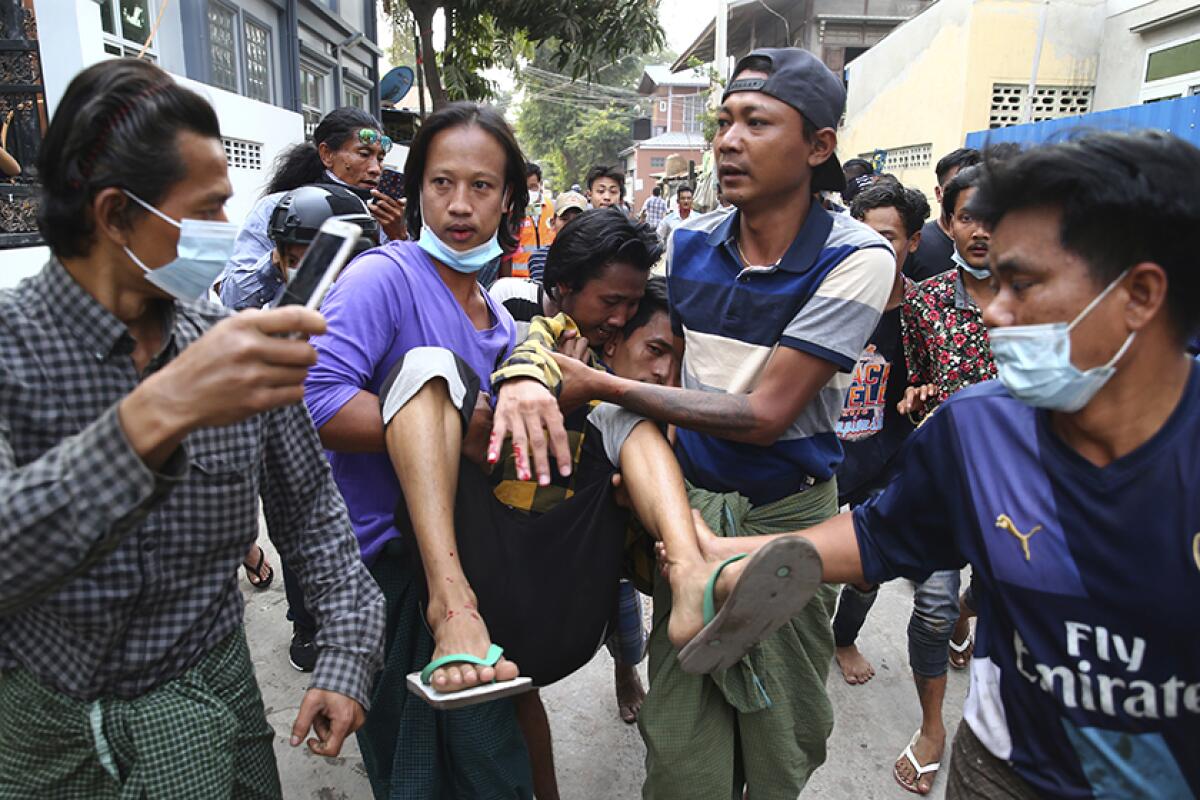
(241, 118)
(1123, 57)
(930, 81)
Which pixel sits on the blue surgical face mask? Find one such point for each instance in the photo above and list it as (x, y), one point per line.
(204, 248)
(467, 262)
(1034, 362)
(980, 274)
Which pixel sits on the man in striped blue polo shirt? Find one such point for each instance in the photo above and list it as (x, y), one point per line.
(775, 301)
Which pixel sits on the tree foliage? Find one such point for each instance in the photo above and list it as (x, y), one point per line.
(568, 130)
(483, 34)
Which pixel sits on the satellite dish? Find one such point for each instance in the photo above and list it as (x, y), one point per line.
(396, 84)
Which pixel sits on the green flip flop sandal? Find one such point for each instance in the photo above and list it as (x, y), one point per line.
(492, 658)
(776, 585)
(420, 683)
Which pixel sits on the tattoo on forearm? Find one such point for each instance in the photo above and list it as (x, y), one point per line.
(707, 412)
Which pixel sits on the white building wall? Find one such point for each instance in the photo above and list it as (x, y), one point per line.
(74, 40)
(1123, 54)
(274, 128)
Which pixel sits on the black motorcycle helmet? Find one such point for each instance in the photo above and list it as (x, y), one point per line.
(301, 212)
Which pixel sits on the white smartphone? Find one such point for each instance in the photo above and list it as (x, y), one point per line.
(322, 263)
(447, 701)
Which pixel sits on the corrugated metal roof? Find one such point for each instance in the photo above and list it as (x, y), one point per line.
(661, 75)
(1180, 117)
(668, 141)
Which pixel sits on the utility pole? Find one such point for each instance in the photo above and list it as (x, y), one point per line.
(721, 41)
(1027, 106)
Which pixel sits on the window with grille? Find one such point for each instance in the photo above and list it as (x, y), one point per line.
(356, 99)
(222, 46)
(126, 25)
(242, 154)
(693, 113)
(658, 162)
(312, 98)
(257, 61)
(1049, 102)
(913, 156)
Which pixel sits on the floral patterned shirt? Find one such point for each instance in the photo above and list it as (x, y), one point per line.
(945, 341)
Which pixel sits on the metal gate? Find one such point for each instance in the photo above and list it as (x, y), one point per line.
(22, 95)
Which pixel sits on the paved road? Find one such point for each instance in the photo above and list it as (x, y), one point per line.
(600, 757)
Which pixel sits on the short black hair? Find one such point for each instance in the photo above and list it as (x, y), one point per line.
(601, 171)
(592, 241)
(1001, 151)
(967, 178)
(687, 187)
(654, 301)
(859, 166)
(116, 119)
(533, 169)
(301, 165)
(491, 121)
(1125, 198)
(909, 203)
(656, 191)
(765, 65)
(961, 158)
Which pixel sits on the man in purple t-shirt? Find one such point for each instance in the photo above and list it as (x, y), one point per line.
(465, 175)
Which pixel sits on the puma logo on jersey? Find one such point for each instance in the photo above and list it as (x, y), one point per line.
(1004, 521)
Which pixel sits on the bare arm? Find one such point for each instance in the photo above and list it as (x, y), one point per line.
(791, 380)
(834, 539)
(356, 428)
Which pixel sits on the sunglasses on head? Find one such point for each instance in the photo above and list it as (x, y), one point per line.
(372, 136)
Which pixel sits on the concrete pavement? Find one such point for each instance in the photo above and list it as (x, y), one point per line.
(597, 755)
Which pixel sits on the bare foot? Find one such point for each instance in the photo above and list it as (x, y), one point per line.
(687, 600)
(462, 630)
(854, 665)
(689, 578)
(630, 693)
(926, 750)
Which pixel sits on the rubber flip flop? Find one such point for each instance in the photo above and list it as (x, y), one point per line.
(419, 682)
(776, 585)
(965, 650)
(490, 660)
(255, 573)
(921, 770)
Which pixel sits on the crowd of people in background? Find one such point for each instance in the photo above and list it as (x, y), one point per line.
(518, 412)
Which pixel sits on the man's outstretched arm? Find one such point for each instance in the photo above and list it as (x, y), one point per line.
(835, 540)
(790, 381)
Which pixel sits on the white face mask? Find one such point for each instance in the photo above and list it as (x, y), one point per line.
(535, 198)
(467, 261)
(978, 273)
(204, 248)
(1034, 362)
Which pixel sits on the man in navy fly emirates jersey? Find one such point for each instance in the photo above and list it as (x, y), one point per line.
(1069, 485)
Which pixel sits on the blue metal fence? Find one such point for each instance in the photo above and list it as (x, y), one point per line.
(1180, 117)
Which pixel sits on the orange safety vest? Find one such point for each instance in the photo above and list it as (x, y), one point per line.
(533, 234)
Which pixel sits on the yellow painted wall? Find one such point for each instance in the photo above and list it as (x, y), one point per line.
(931, 80)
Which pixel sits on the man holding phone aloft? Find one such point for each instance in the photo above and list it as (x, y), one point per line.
(138, 431)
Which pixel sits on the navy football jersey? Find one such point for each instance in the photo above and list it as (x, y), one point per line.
(1086, 675)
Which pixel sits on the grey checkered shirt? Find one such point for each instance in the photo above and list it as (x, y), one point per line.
(116, 579)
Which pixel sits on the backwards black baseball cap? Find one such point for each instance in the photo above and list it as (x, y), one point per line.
(798, 78)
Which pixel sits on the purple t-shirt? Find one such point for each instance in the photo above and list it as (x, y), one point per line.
(387, 302)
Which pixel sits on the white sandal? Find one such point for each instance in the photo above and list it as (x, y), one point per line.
(962, 648)
(932, 766)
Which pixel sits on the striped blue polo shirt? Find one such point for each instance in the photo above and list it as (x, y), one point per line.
(824, 297)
